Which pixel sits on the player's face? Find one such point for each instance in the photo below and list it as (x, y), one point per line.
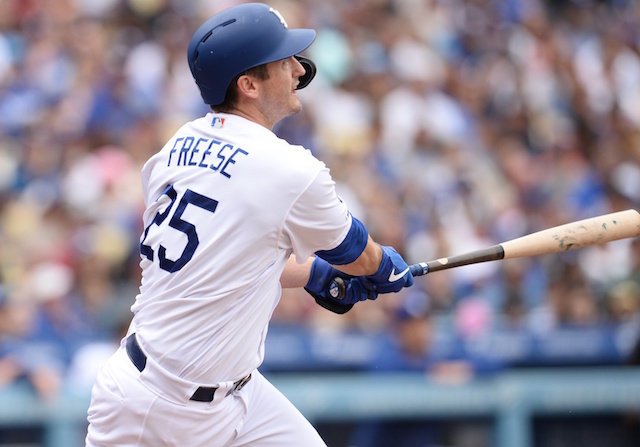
(279, 98)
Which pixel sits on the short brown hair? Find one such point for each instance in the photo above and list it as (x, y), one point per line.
(231, 97)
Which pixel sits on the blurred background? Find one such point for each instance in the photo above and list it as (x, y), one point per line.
(448, 125)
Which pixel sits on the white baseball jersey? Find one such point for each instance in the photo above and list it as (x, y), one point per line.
(227, 202)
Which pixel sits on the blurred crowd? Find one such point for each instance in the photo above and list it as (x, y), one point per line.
(448, 125)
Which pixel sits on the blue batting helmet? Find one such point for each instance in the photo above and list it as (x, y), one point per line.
(240, 38)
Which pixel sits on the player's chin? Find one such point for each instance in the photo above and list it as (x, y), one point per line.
(295, 104)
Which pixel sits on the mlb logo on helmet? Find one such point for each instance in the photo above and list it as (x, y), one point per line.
(217, 122)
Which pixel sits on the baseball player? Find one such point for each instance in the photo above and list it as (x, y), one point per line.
(233, 215)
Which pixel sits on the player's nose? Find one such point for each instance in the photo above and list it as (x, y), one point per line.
(298, 68)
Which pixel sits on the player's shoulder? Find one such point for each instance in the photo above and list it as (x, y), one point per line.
(296, 157)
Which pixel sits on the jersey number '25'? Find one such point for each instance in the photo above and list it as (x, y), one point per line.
(176, 221)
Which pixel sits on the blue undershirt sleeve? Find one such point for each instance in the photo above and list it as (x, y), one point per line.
(350, 248)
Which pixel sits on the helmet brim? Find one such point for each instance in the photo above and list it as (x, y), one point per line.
(295, 42)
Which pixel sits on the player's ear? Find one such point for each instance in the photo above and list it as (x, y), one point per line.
(248, 86)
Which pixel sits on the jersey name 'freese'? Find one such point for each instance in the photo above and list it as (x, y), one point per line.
(198, 151)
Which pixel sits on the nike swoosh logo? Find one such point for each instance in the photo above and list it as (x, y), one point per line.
(393, 277)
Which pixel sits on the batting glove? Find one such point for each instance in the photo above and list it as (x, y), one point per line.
(393, 273)
(322, 286)
(360, 288)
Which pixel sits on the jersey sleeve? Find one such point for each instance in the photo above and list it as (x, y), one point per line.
(319, 220)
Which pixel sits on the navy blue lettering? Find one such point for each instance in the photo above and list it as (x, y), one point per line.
(191, 152)
(206, 153)
(186, 147)
(221, 157)
(195, 151)
(232, 161)
(173, 149)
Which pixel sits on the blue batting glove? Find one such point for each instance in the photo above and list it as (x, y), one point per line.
(393, 273)
(360, 288)
(321, 276)
(322, 286)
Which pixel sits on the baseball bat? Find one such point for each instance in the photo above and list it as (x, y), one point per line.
(579, 234)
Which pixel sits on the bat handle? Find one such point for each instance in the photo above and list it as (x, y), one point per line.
(419, 269)
(338, 286)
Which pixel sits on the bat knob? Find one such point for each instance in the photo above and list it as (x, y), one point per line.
(337, 288)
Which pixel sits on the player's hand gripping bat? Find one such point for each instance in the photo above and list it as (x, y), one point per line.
(578, 234)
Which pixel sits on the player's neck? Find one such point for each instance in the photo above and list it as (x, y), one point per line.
(253, 115)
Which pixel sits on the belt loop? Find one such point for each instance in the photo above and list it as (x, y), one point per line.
(135, 353)
(204, 394)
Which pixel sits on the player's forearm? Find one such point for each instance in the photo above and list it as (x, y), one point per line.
(297, 275)
(367, 263)
(294, 274)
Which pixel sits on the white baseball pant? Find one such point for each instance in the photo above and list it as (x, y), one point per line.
(153, 408)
